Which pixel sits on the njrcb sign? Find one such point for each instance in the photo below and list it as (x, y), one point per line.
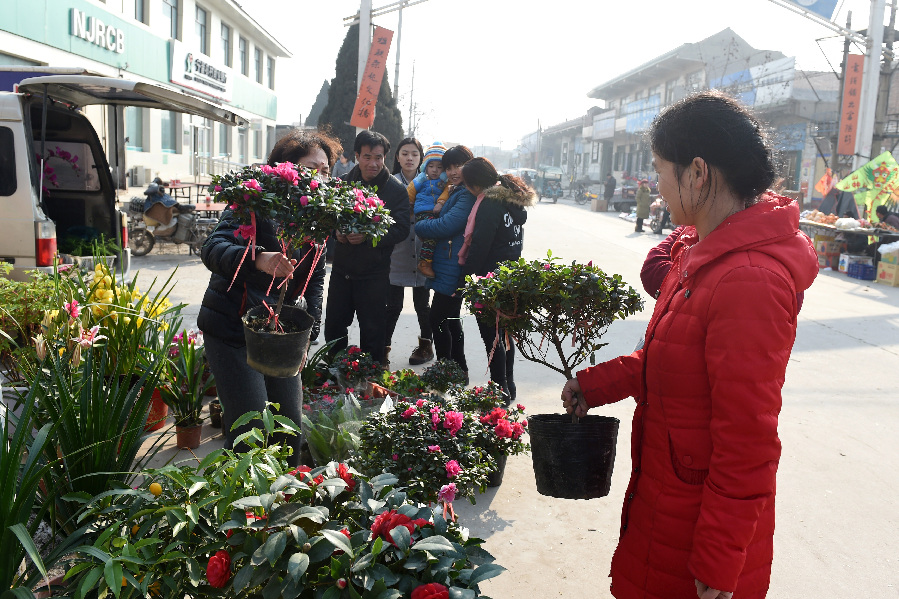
(95, 31)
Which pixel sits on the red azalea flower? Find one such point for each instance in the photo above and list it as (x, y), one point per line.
(517, 429)
(503, 429)
(218, 570)
(432, 590)
(387, 521)
(344, 473)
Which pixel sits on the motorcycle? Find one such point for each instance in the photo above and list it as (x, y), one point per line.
(160, 219)
(659, 217)
(582, 193)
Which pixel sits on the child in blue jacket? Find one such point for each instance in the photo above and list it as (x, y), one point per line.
(428, 192)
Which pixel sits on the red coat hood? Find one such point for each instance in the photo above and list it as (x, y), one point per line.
(770, 226)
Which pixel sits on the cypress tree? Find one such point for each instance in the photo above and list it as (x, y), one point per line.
(342, 97)
(320, 100)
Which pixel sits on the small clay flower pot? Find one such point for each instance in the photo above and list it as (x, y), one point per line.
(188, 437)
(215, 413)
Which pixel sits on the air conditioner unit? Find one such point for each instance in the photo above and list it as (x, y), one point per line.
(137, 176)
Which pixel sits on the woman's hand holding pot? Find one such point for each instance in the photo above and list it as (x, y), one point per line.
(573, 400)
(275, 264)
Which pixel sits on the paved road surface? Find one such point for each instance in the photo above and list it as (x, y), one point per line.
(838, 513)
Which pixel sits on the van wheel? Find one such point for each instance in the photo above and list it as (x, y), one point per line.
(141, 242)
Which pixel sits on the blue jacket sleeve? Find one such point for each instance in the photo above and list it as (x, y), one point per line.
(452, 218)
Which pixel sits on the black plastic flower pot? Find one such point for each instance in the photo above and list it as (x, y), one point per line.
(495, 478)
(277, 354)
(573, 460)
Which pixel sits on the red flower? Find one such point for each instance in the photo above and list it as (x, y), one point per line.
(432, 590)
(517, 429)
(218, 570)
(344, 473)
(503, 429)
(387, 521)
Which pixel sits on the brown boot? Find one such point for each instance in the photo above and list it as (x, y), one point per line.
(424, 267)
(423, 353)
(385, 361)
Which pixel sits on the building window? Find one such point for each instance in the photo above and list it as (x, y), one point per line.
(202, 17)
(619, 155)
(271, 72)
(226, 44)
(170, 18)
(224, 140)
(242, 147)
(138, 8)
(169, 132)
(594, 152)
(242, 55)
(257, 144)
(669, 91)
(134, 128)
(257, 58)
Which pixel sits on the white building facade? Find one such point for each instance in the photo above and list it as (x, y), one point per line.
(211, 49)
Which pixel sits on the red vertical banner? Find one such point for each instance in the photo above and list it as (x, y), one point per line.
(364, 110)
(852, 92)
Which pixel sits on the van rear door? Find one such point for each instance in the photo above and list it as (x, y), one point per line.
(84, 90)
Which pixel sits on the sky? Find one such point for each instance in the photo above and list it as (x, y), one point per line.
(486, 72)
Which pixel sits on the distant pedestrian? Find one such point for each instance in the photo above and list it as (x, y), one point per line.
(609, 189)
(404, 266)
(642, 204)
(360, 273)
(344, 165)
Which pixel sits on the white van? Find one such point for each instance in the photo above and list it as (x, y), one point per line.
(73, 193)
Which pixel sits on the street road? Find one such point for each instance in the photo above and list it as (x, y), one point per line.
(838, 482)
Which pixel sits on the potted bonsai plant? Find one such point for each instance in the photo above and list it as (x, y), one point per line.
(443, 375)
(557, 313)
(306, 208)
(183, 387)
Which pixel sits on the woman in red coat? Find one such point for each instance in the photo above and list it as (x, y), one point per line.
(698, 517)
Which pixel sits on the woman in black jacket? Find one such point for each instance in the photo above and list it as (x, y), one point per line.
(239, 282)
(494, 234)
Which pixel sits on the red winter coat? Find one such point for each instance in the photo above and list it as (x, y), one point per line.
(700, 502)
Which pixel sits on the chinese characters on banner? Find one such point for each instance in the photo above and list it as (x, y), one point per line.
(364, 110)
(852, 92)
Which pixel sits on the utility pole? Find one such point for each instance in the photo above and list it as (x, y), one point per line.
(834, 155)
(399, 42)
(870, 85)
(364, 43)
(411, 105)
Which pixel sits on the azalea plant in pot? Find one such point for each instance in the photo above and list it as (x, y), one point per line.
(443, 375)
(247, 525)
(557, 314)
(355, 367)
(306, 208)
(432, 446)
(183, 386)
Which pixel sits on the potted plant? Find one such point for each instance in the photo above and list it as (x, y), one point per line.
(557, 313)
(246, 525)
(443, 375)
(402, 383)
(429, 445)
(354, 367)
(501, 427)
(183, 386)
(306, 208)
(331, 423)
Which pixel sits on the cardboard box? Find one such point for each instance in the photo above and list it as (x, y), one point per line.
(847, 259)
(891, 258)
(599, 205)
(888, 274)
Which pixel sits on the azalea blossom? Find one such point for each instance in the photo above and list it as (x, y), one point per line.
(409, 413)
(73, 309)
(313, 184)
(453, 422)
(217, 188)
(447, 493)
(245, 231)
(253, 184)
(453, 469)
(433, 449)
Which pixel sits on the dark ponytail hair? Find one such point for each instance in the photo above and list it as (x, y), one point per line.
(480, 173)
(715, 127)
(407, 141)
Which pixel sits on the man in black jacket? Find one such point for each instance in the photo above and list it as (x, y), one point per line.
(360, 272)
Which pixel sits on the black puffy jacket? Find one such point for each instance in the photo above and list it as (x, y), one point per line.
(498, 230)
(222, 307)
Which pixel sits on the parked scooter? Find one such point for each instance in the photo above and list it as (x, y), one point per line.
(582, 193)
(160, 219)
(659, 217)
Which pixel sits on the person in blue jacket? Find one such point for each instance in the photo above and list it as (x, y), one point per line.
(448, 229)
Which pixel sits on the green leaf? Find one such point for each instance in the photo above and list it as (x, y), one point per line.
(243, 577)
(339, 540)
(193, 512)
(291, 512)
(196, 487)
(435, 544)
(390, 594)
(112, 572)
(273, 589)
(268, 421)
(243, 419)
(28, 544)
(274, 546)
(485, 572)
(297, 565)
(362, 563)
(401, 537)
(332, 593)
(321, 549)
(457, 593)
(196, 573)
(210, 458)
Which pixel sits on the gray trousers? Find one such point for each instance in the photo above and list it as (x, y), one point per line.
(242, 389)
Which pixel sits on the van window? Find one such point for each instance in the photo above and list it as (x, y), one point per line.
(7, 162)
(69, 166)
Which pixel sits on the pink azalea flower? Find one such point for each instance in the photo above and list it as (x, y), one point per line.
(313, 184)
(268, 170)
(447, 493)
(420, 403)
(409, 413)
(520, 407)
(287, 171)
(590, 263)
(433, 449)
(253, 184)
(453, 469)
(395, 457)
(517, 429)
(217, 188)
(489, 275)
(360, 195)
(453, 422)
(72, 309)
(245, 231)
(357, 207)
(232, 207)
(547, 267)
(477, 305)
(376, 218)
(304, 201)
